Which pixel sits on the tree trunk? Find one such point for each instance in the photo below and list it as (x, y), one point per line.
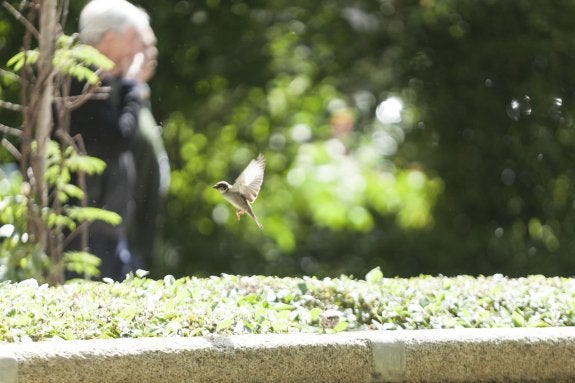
(43, 123)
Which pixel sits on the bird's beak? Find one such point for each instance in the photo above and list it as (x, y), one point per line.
(215, 187)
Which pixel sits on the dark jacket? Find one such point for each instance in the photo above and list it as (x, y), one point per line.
(107, 127)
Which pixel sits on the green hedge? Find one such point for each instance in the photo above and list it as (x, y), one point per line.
(142, 307)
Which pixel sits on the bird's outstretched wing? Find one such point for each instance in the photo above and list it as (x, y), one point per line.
(250, 181)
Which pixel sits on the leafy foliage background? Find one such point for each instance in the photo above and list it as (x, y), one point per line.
(475, 178)
(141, 307)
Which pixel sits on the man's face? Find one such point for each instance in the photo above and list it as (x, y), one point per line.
(120, 47)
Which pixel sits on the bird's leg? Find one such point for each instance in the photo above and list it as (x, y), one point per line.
(239, 213)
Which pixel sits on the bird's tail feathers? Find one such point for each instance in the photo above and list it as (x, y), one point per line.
(251, 213)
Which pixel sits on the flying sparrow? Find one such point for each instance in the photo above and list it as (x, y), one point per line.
(245, 189)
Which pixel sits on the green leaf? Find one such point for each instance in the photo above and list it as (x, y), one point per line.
(25, 57)
(54, 220)
(73, 191)
(141, 273)
(89, 55)
(279, 306)
(65, 41)
(82, 214)
(518, 320)
(128, 313)
(374, 276)
(341, 326)
(90, 165)
(250, 299)
(83, 257)
(225, 324)
(75, 60)
(314, 314)
(82, 262)
(82, 73)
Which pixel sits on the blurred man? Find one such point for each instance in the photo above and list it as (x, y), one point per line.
(107, 127)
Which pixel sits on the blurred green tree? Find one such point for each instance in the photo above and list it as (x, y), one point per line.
(421, 136)
(272, 77)
(494, 80)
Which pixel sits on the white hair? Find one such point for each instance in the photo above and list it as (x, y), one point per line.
(101, 16)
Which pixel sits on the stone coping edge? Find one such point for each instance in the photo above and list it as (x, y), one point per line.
(494, 355)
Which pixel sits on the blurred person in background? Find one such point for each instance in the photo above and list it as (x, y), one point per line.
(107, 127)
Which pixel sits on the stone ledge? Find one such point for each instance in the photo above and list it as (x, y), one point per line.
(369, 356)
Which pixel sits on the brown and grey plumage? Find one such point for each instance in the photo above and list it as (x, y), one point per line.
(245, 189)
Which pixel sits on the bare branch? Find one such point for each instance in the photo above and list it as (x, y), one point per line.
(63, 12)
(11, 106)
(11, 148)
(21, 18)
(99, 93)
(27, 79)
(9, 130)
(79, 230)
(80, 143)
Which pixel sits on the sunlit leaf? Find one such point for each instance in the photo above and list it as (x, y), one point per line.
(21, 58)
(94, 214)
(90, 165)
(82, 263)
(374, 275)
(225, 324)
(73, 191)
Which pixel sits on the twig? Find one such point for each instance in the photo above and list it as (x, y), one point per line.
(11, 148)
(26, 76)
(79, 231)
(63, 12)
(99, 93)
(10, 130)
(81, 148)
(21, 18)
(10, 106)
